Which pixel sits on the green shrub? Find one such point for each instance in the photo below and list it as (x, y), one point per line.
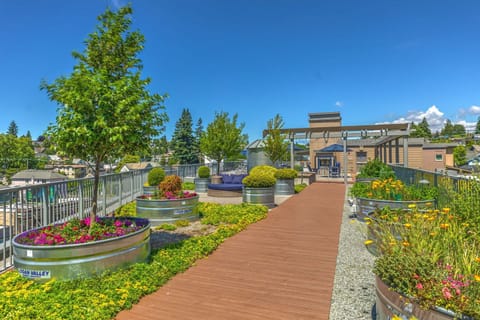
(376, 169)
(263, 169)
(155, 176)
(285, 174)
(299, 187)
(127, 210)
(298, 168)
(188, 186)
(259, 180)
(204, 172)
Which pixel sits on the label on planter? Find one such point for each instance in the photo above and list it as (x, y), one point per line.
(182, 211)
(35, 274)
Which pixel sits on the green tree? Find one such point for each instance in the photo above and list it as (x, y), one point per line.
(276, 145)
(223, 138)
(477, 127)
(421, 130)
(198, 135)
(183, 141)
(105, 109)
(459, 130)
(460, 155)
(13, 129)
(447, 129)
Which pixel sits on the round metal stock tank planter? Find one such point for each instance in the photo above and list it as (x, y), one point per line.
(167, 211)
(150, 190)
(390, 303)
(201, 184)
(72, 261)
(285, 187)
(265, 196)
(365, 206)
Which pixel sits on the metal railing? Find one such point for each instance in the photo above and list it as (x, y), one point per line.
(455, 192)
(34, 206)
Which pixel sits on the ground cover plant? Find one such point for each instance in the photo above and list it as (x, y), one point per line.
(104, 296)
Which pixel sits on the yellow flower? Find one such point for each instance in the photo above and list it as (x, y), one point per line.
(477, 259)
(407, 225)
(445, 210)
(444, 225)
(368, 242)
(433, 234)
(406, 243)
(412, 206)
(477, 277)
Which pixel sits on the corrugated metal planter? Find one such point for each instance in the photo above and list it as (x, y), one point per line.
(201, 184)
(390, 304)
(150, 190)
(72, 261)
(167, 211)
(365, 206)
(265, 196)
(285, 187)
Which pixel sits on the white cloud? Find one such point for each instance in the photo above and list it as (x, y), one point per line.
(433, 115)
(475, 110)
(436, 119)
(339, 104)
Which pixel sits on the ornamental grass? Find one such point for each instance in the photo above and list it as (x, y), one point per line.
(431, 256)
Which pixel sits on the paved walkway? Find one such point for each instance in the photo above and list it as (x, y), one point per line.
(282, 267)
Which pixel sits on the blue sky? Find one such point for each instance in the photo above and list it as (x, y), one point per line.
(373, 60)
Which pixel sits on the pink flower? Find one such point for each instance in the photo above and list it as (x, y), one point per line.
(446, 293)
(419, 286)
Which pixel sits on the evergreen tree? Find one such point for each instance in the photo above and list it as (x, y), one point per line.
(105, 107)
(421, 130)
(458, 130)
(223, 138)
(28, 135)
(183, 141)
(276, 144)
(13, 129)
(447, 129)
(198, 136)
(477, 127)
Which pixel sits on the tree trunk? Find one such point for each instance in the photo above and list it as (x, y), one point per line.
(96, 180)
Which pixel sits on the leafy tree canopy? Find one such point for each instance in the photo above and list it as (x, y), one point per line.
(105, 109)
(223, 138)
(276, 145)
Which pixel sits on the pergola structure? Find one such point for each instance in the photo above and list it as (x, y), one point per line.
(388, 134)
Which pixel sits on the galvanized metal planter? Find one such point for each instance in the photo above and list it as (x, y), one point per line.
(365, 206)
(201, 184)
(150, 190)
(390, 304)
(265, 196)
(167, 211)
(67, 262)
(285, 187)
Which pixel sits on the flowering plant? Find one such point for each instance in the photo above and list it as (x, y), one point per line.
(392, 189)
(78, 231)
(170, 195)
(432, 257)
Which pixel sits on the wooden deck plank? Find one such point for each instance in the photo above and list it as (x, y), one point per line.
(282, 267)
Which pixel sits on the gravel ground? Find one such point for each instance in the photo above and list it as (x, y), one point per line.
(354, 291)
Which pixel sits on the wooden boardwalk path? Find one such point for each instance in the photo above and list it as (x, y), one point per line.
(282, 267)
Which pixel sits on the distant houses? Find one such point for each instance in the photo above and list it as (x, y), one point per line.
(30, 177)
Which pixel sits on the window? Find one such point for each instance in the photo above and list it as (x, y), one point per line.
(361, 156)
(438, 157)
